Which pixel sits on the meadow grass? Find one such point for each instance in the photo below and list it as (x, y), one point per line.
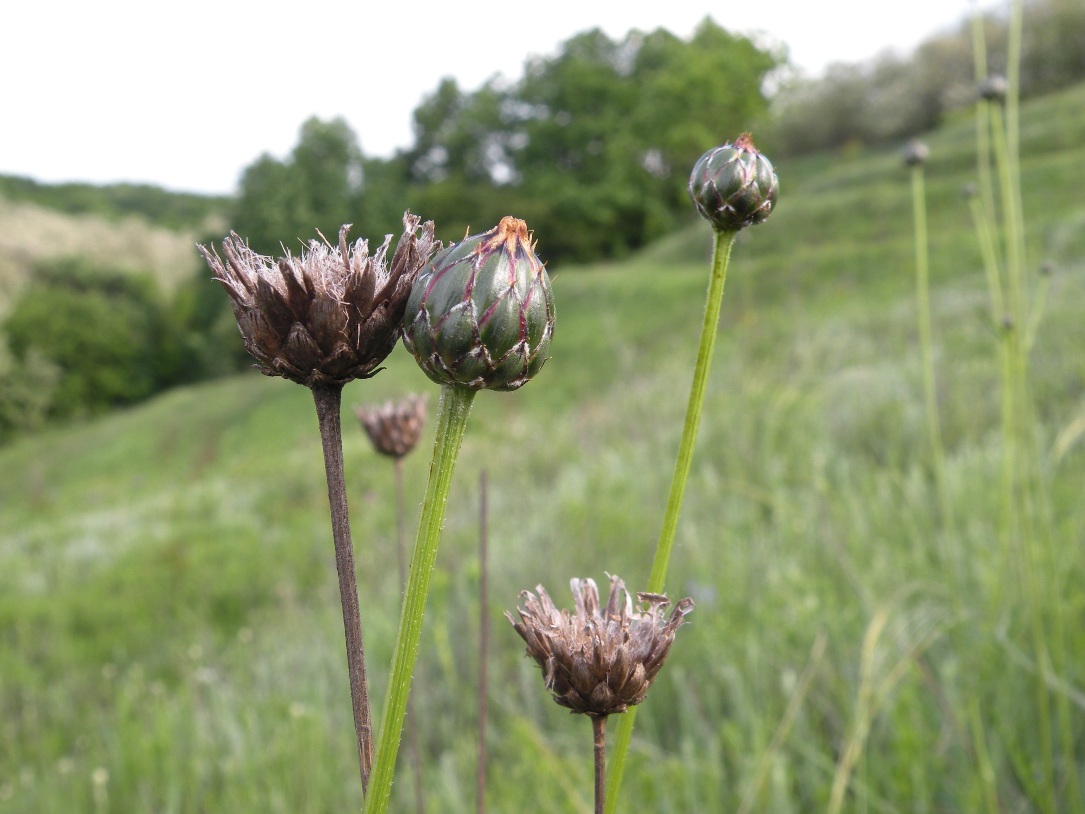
(169, 631)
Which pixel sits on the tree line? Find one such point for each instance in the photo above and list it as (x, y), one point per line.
(591, 147)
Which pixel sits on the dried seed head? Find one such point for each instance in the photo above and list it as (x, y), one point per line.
(734, 186)
(328, 316)
(994, 88)
(481, 314)
(395, 426)
(915, 152)
(599, 660)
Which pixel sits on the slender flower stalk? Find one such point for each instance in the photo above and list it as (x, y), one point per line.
(328, 399)
(732, 187)
(915, 155)
(394, 428)
(452, 411)
(484, 637)
(599, 736)
(480, 316)
(323, 319)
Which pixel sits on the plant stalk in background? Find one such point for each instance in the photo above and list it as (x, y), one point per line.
(915, 155)
(732, 187)
(1025, 512)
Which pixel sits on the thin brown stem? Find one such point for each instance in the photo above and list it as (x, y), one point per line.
(599, 730)
(484, 636)
(328, 399)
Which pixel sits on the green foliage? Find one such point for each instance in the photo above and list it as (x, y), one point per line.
(27, 386)
(107, 332)
(315, 190)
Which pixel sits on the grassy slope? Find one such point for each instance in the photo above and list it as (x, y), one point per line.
(168, 630)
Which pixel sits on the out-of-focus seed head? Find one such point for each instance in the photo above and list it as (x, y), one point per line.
(734, 186)
(994, 88)
(599, 660)
(395, 426)
(328, 316)
(481, 314)
(915, 152)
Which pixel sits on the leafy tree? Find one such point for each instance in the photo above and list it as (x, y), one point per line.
(316, 189)
(264, 212)
(608, 131)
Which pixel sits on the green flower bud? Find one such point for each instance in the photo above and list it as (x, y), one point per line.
(734, 186)
(481, 314)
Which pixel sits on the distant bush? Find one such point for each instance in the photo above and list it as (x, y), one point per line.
(27, 386)
(108, 334)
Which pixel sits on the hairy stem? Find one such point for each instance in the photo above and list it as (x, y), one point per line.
(452, 412)
(721, 254)
(328, 399)
(599, 731)
(484, 638)
(401, 562)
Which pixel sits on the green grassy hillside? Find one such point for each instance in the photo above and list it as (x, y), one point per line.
(169, 630)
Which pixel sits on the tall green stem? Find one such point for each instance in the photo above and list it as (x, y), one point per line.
(452, 413)
(721, 254)
(926, 344)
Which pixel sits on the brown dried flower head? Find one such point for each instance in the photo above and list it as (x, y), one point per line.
(330, 315)
(599, 660)
(395, 426)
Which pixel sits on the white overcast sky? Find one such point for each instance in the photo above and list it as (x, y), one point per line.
(186, 94)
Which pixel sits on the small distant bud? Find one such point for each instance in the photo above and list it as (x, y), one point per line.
(598, 660)
(969, 191)
(994, 88)
(481, 314)
(1047, 268)
(734, 186)
(395, 426)
(330, 315)
(1007, 323)
(915, 152)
